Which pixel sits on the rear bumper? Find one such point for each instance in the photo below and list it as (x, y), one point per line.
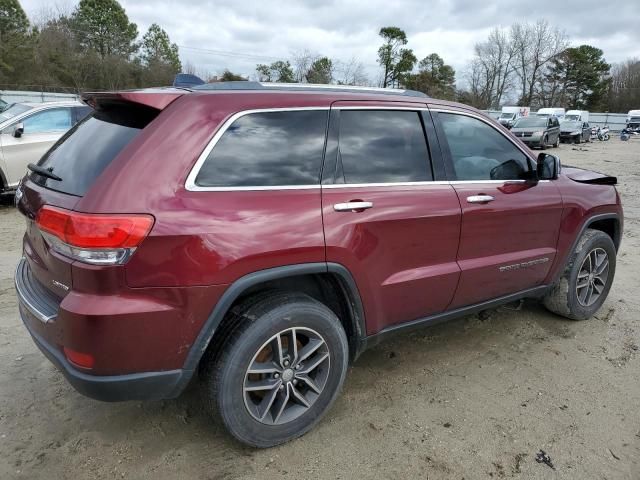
(37, 309)
(115, 388)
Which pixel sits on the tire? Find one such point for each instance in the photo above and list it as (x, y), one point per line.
(557, 144)
(565, 298)
(229, 386)
(543, 143)
(578, 139)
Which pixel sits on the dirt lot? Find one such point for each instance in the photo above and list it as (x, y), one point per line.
(476, 398)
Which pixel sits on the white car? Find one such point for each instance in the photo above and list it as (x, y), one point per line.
(28, 130)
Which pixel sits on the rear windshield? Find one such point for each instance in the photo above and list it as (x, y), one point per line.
(81, 155)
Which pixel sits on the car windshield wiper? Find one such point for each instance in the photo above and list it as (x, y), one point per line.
(44, 172)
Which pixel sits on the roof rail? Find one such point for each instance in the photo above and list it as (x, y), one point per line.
(307, 87)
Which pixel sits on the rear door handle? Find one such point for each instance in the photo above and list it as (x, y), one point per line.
(482, 198)
(352, 206)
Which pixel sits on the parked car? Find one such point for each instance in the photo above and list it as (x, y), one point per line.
(28, 130)
(3, 105)
(575, 131)
(509, 115)
(262, 236)
(538, 131)
(633, 124)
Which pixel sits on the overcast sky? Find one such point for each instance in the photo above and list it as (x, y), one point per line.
(243, 33)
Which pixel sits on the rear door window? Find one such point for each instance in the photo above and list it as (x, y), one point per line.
(267, 149)
(81, 155)
(382, 146)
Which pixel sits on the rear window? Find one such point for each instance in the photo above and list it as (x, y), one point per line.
(81, 155)
(267, 149)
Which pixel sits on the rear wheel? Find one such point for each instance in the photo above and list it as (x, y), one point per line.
(587, 278)
(280, 369)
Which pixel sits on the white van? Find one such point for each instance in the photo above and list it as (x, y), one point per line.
(551, 112)
(577, 116)
(509, 115)
(632, 113)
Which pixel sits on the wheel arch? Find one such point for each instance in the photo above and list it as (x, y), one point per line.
(329, 283)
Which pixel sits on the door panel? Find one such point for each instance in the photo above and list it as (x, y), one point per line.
(401, 252)
(510, 223)
(401, 248)
(19, 152)
(508, 244)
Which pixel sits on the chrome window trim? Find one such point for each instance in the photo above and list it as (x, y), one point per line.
(190, 183)
(191, 186)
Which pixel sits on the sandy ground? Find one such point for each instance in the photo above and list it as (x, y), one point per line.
(475, 398)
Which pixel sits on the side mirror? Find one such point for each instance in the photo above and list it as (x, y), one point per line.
(19, 130)
(548, 167)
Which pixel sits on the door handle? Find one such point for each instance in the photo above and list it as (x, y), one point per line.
(352, 206)
(482, 198)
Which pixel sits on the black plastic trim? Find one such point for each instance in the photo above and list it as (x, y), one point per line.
(237, 288)
(446, 316)
(115, 388)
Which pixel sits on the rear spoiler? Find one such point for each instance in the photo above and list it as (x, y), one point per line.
(156, 98)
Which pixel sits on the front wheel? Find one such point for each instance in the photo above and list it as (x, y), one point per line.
(587, 278)
(280, 370)
(544, 143)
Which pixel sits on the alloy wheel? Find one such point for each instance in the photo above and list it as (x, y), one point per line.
(592, 277)
(286, 376)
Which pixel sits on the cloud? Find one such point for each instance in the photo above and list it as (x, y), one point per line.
(249, 32)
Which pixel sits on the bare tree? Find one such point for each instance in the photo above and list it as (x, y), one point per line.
(351, 72)
(494, 66)
(535, 46)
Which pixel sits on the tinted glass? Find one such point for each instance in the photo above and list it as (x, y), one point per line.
(268, 149)
(531, 122)
(79, 113)
(81, 155)
(480, 152)
(54, 120)
(382, 146)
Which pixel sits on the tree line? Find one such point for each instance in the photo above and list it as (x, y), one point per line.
(97, 47)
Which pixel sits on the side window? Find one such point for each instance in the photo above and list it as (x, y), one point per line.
(268, 149)
(54, 120)
(480, 152)
(382, 146)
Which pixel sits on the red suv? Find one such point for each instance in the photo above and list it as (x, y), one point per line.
(264, 235)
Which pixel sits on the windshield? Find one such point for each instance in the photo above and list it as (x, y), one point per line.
(12, 111)
(634, 120)
(531, 122)
(506, 115)
(572, 117)
(570, 124)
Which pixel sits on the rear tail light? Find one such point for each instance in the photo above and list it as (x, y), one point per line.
(93, 238)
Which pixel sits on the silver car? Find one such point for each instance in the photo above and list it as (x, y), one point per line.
(537, 131)
(28, 130)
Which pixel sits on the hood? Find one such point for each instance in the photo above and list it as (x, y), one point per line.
(587, 176)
